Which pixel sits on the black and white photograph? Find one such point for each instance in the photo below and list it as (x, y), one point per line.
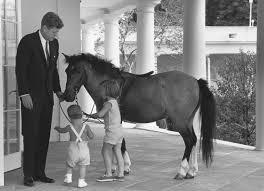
(132, 95)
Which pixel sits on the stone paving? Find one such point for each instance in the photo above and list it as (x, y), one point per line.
(155, 157)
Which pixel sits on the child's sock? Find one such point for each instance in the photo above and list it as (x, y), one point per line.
(82, 183)
(68, 178)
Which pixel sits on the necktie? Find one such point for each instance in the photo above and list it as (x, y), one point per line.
(47, 52)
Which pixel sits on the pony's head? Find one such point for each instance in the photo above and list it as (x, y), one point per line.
(84, 69)
(75, 76)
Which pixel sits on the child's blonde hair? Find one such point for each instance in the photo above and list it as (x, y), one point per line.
(111, 88)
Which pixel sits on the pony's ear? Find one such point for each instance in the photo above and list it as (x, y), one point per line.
(66, 57)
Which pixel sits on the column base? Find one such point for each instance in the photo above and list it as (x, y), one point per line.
(259, 149)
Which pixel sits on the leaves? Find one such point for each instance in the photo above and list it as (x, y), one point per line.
(236, 95)
(229, 13)
(168, 30)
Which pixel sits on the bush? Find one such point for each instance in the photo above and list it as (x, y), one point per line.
(235, 97)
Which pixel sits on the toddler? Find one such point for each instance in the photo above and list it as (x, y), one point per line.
(78, 151)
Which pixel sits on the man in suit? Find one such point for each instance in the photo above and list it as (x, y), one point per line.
(37, 80)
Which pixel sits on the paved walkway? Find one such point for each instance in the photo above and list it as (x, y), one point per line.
(155, 157)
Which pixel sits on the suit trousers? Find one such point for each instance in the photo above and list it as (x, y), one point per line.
(36, 125)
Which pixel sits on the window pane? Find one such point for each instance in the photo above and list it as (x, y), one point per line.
(3, 42)
(10, 96)
(2, 3)
(9, 43)
(10, 10)
(11, 132)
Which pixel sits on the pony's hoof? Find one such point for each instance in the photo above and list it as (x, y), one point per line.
(179, 177)
(189, 176)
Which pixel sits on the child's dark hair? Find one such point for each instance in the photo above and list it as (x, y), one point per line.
(74, 111)
(111, 88)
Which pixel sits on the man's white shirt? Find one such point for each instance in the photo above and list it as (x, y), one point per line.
(43, 42)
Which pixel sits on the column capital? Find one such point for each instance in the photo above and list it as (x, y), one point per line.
(146, 6)
(111, 18)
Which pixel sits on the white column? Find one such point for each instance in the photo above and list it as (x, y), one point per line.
(111, 45)
(145, 58)
(208, 68)
(111, 40)
(156, 63)
(194, 54)
(260, 79)
(194, 38)
(88, 40)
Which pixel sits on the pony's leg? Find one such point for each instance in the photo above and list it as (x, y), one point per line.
(183, 169)
(189, 139)
(193, 162)
(127, 161)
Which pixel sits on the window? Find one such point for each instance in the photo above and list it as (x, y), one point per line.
(11, 106)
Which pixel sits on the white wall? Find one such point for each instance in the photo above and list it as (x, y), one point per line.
(219, 41)
(229, 48)
(69, 37)
(221, 33)
(70, 43)
(32, 12)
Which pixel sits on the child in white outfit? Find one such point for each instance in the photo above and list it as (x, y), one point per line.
(113, 131)
(78, 150)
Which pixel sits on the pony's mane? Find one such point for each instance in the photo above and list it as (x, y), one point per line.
(100, 65)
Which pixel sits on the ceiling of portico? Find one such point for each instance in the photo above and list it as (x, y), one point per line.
(94, 10)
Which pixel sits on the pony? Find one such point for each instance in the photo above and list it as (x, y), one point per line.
(148, 98)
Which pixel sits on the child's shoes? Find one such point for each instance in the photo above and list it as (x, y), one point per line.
(68, 178)
(105, 178)
(82, 183)
(127, 172)
(120, 178)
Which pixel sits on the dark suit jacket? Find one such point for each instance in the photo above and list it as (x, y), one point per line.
(34, 76)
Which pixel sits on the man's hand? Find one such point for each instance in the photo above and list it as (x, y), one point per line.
(27, 101)
(60, 96)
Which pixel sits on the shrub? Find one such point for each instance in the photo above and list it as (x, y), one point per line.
(235, 93)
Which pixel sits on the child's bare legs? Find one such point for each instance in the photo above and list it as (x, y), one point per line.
(81, 182)
(120, 161)
(107, 155)
(68, 169)
(82, 171)
(127, 162)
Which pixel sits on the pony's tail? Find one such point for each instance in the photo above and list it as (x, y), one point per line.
(208, 121)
